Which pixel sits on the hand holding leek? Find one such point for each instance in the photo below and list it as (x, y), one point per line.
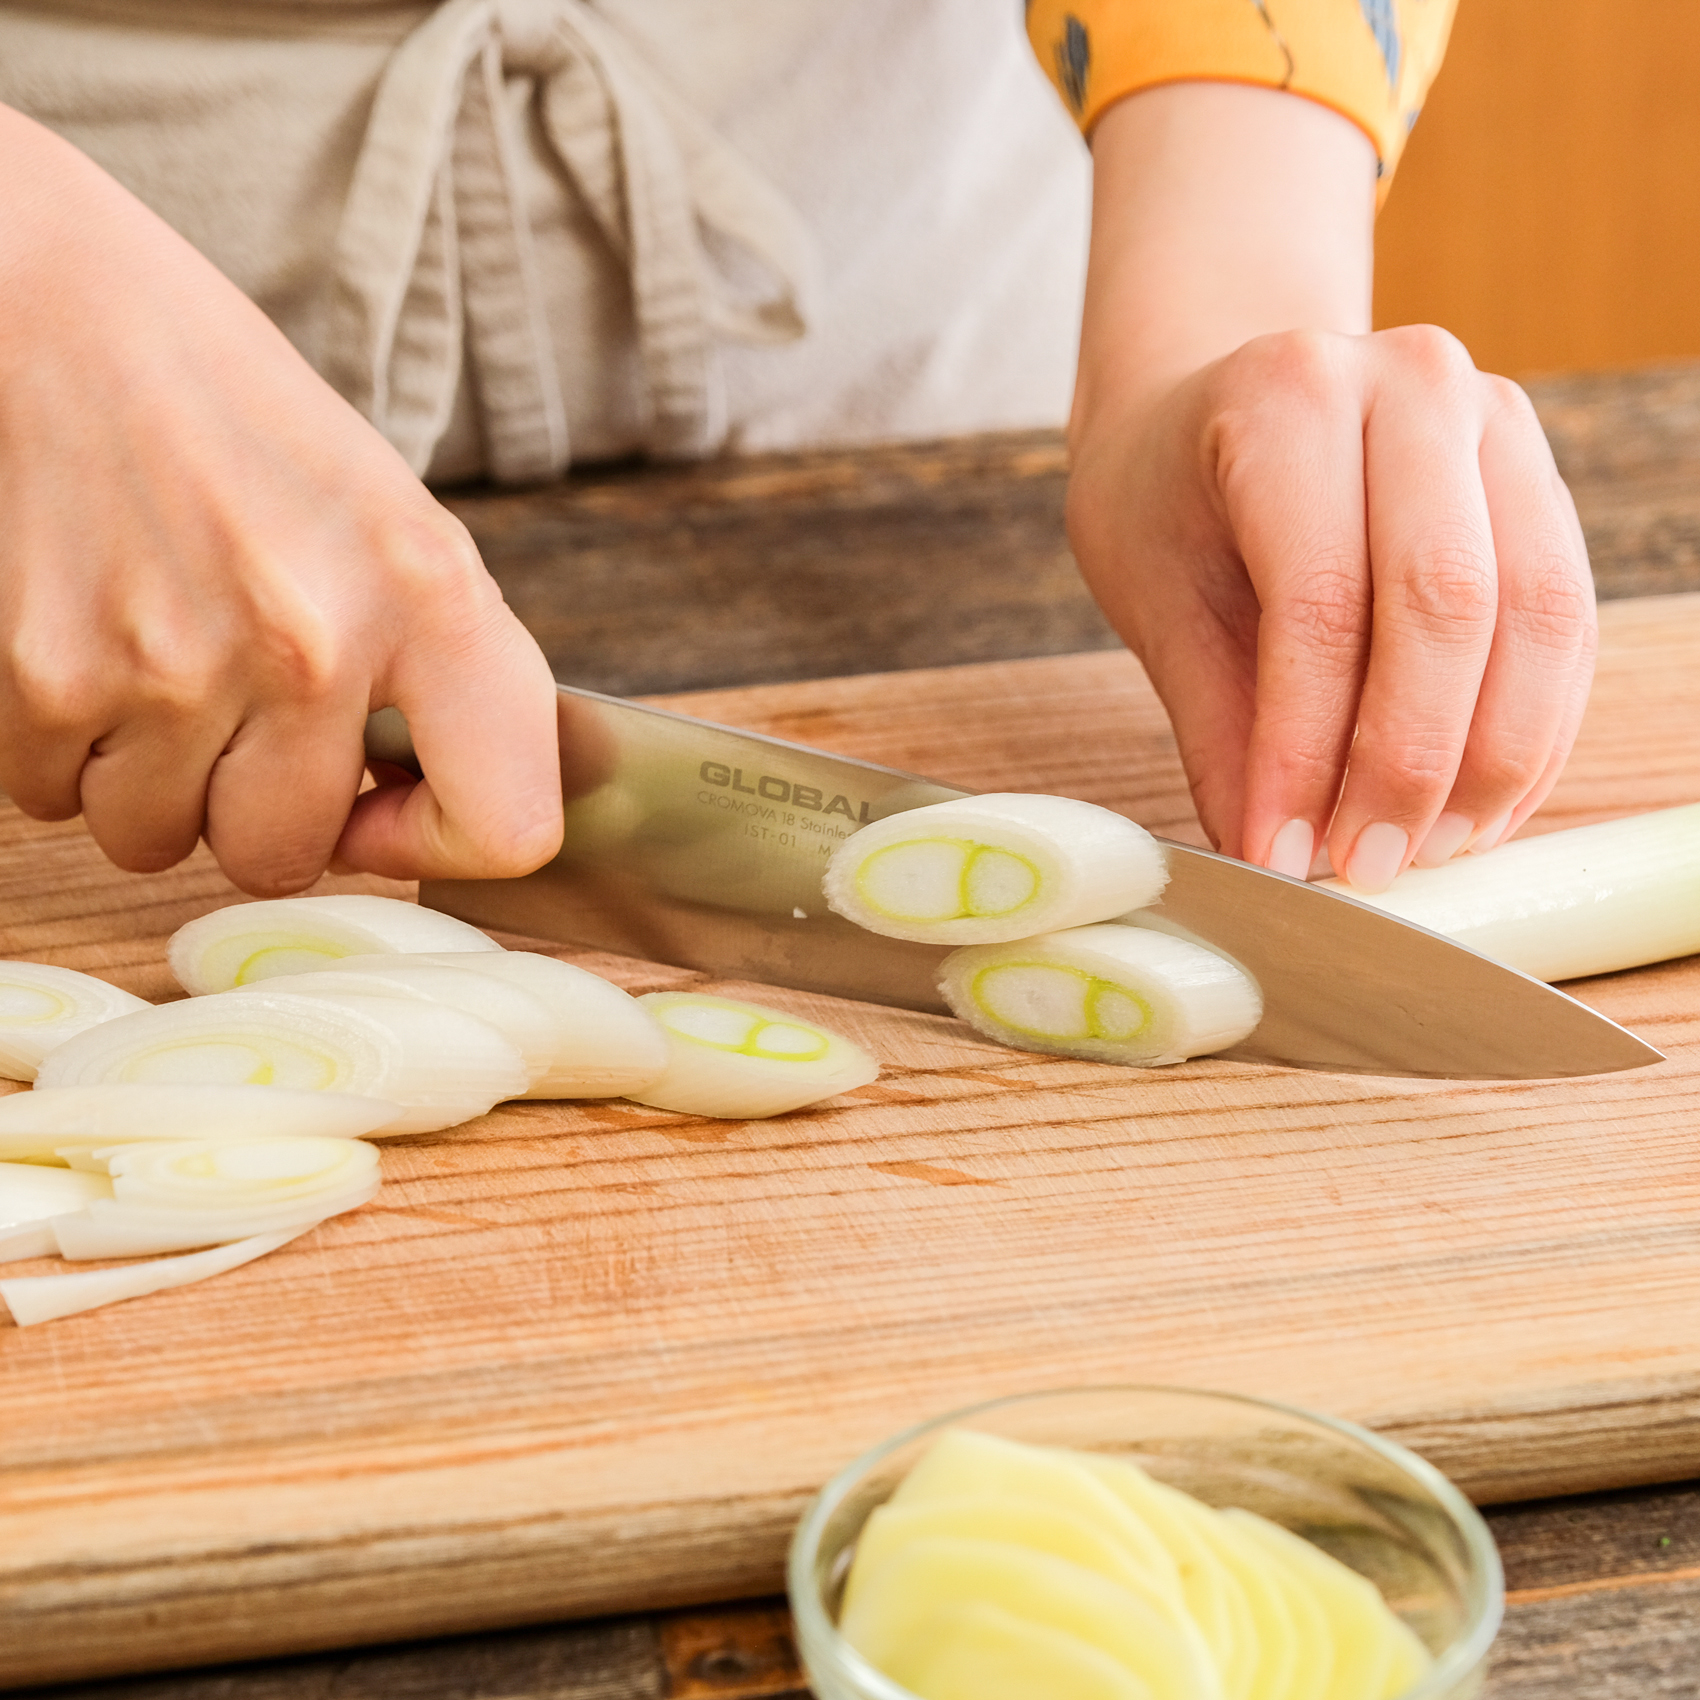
(1345, 558)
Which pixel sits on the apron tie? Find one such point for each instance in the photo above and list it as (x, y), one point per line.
(435, 264)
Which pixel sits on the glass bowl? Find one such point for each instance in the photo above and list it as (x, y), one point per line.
(1373, 1505)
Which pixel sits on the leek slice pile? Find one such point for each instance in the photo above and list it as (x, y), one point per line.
(990, 869)
(440, 1064)
(42, 1006)
(181, 1195)
(245, 942)
(745, 1061)
(30, 1196)
(1588, 900)
(603, 1042)
(50, 1124)
(1108, 993)
(998, 1571)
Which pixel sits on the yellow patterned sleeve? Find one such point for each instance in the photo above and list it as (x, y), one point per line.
(1370, 60)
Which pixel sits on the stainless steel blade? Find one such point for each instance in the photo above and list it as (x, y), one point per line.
(703, 846)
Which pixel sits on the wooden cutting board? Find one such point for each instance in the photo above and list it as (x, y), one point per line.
(576, 1359)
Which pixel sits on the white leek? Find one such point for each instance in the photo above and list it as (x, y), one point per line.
(173, 1197)
(441, 1065)
(510, 1009)
(245, 942)
(744, 1061)
(31, 1196)
(1107, 993)
(989, 869)
(42, 1298)
(45, 1125)
(1588, 900)
(606, 1044)
(41, 1006)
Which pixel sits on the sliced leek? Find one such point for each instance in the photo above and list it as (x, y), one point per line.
(31, 1196)
(174, 1197)
(245, 942)
(1107, 993)
(441, 1065)
(46, 1125)
(606, 1043)
(1588, 900)
(989, 869)
(41, 1006)
(510, 1009)
(42, 1298)
(744, 1061)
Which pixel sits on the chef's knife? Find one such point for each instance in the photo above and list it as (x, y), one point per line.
(703, 846)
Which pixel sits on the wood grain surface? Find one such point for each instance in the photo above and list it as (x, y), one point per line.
(577, 1359)
(1603, 1594)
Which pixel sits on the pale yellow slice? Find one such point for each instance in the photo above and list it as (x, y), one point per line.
(1030, 1523)
(1376, 1656)
(1213, 1592)
(897, 1606)
(965, 1464)
(981, 1652)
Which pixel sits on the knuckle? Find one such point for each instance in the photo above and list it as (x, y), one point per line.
(1450, 591)
(1326, 608)
(1431, 353)
(56, 694)
(1507, 770)
(1273, 384)
(1511, 401)
(1553, 606)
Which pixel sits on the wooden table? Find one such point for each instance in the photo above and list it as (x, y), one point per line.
(812, 566)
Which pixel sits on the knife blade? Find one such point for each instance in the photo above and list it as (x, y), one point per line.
(703, 846)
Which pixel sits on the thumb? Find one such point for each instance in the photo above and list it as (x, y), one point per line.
(481, 707)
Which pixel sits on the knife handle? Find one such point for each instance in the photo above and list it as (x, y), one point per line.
(388, 739)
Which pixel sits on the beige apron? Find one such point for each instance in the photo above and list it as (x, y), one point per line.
(516, 233)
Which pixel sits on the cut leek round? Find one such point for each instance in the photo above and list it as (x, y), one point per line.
(441, 1065)
(989, 869)
(605, 1043)
(510, 1009)
(175, 1197)
(44, 1125)
(245, 942)
(744, 1061)
(42, 1006)
(1108, 993)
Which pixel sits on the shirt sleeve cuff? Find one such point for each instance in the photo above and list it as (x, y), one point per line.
(1369, 60)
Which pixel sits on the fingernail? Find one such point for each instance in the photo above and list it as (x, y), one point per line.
(1291, 849)
(1445, 839)
(1377, 856)
(1491, 834)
